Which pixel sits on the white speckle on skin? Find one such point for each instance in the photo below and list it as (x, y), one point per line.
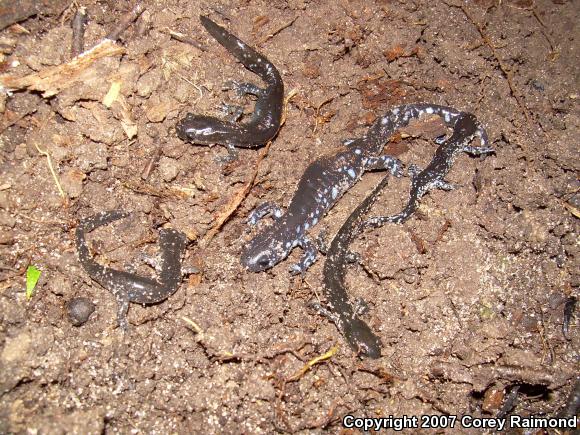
(334, 192)
(429, 110)
(384, 120)
(357, 151)
(351, 173)
(200, 131)
(314, 221)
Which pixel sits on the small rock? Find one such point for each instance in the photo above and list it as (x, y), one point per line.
(168, 168)
(156, 110)
(72, 182)
(6, 237)
(7, 219)
(79, 310)
(493, 398)
(148, 83)
(92, 156)
(4, 200)
(16, 349)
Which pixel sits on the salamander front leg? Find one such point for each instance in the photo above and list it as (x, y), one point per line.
(320, 241)
(478, 151)
(232, 155)
(262, 210)
(122, 308)
(233, 112)
(413, 170)
(360, 306)
(330, 315)
(443, 185)
(308, 258)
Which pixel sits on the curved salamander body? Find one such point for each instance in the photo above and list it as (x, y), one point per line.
(433, 176)
(129, 287)
(324, 182)
(265, 121)
(357, 333)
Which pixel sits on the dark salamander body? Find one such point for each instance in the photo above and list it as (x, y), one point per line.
(356, 332)
(129, 287)
(324, 182)
(433, 176)
(265, 121)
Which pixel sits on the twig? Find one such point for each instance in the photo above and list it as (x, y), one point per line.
(151, 164)
(186, 39)
(506, 72)
(78, 29)
(236, 201)
(243, 192)
(278, 30)
(52, 171)
(40, 221)
(331, 352)
(131, 16)
(51, 80)
(196, 328)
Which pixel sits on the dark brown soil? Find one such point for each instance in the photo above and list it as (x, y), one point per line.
(467, 297)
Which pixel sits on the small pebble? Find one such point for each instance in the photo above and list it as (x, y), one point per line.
(79, 310)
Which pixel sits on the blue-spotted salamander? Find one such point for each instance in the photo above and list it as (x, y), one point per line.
(129, 287)
(324, 182)
(265, 121)
(338, 308)
(433, 176)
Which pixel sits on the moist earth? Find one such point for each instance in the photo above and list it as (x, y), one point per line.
(468, 296)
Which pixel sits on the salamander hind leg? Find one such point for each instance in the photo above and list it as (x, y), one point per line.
(242, 89)
(262, 210)
(387, 162)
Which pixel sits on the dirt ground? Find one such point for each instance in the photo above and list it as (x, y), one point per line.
(467, 297)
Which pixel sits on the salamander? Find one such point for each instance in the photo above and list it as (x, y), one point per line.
(129, 287)
(433, 176)
(324, 182)
(265, 121)
(356, 332)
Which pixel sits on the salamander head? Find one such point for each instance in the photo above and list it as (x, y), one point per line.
(265, 251)
(361, 339)
(204, 130)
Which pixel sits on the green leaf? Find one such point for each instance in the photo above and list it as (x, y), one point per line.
(32, 276)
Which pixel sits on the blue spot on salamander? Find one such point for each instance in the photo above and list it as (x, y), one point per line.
(334, 192)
